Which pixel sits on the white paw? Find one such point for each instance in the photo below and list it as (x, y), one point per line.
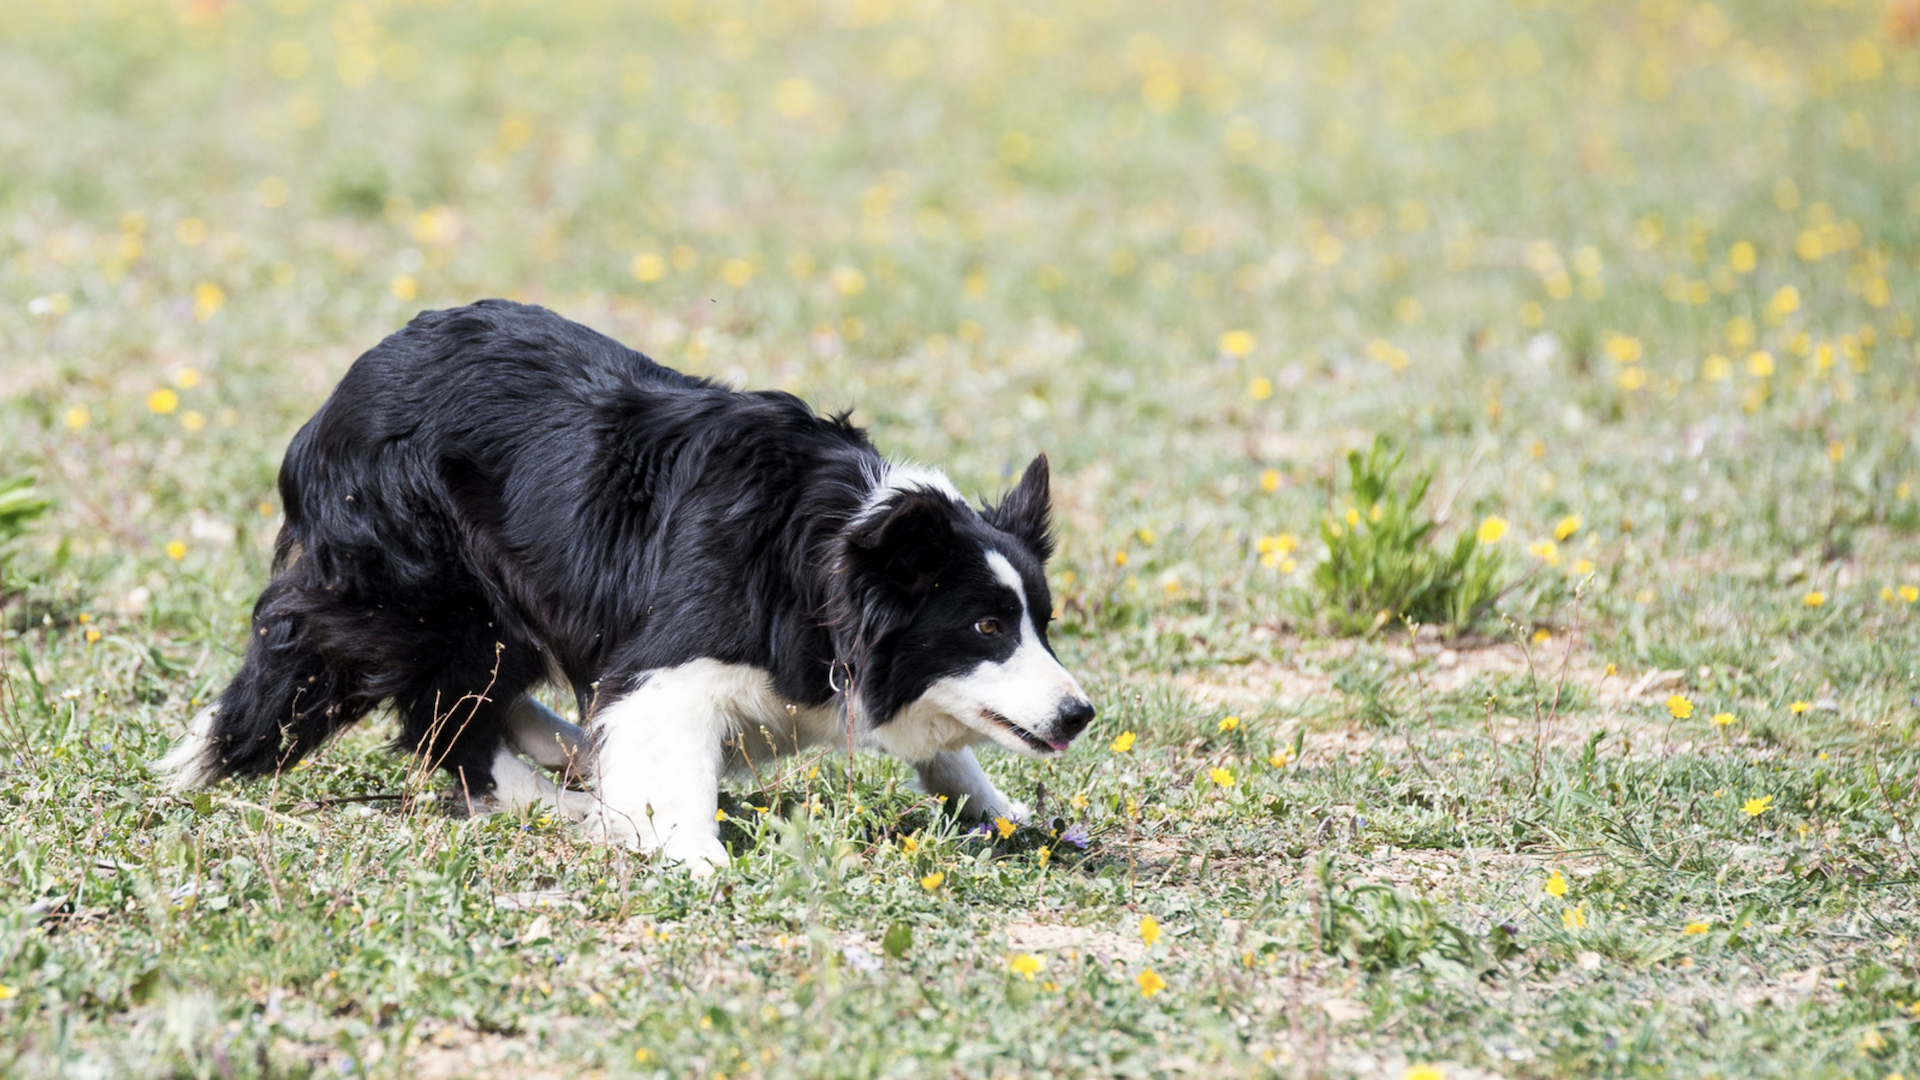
(994, 806)
(605, 825)
(700, 856)
(694, 851)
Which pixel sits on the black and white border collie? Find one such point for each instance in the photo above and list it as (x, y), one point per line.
(495, 497)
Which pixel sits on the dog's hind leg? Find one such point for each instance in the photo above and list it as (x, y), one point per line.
(289, 696)
(547, 737)
(194, 761)
(519, 786)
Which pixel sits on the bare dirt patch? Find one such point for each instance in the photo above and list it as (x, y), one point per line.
(1106, 946)
(1303, 684)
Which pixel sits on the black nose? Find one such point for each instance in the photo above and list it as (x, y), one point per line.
(1073, 717)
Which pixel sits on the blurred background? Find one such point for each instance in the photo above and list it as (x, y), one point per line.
(1192, 249)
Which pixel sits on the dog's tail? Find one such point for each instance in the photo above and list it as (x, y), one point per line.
(286, 700)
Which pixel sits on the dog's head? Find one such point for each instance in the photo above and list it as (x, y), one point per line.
(944, 613)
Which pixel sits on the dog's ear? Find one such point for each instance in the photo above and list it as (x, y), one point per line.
(906, 542)
(1027, 511)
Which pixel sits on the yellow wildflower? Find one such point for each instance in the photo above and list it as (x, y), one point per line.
(1004, 827)
(1567, 527)
(207, 299)
(1624, 349)
(932, 881)
(1491, 530)
(1757, 806)
(1799, 707)
(1150, 983)
(647, 267)
(1237, 343)
(1724, 719)
(1229, 723)
(1574, 918)
(1223, 777)
(1026, 964)
(1124, 743)
(1680, 707)
(1697, 928)
(1149, 930)
(1556, 885)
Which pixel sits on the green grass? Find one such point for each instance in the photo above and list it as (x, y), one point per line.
(1650, 266)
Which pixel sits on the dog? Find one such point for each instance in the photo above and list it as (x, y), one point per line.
(496, 498)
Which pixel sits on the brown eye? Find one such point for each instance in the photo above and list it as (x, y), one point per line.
(988, 626)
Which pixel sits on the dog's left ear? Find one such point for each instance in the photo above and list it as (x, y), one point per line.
(1027, 511)
(907, 543)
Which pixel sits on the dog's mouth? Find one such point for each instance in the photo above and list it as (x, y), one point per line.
(1028, 738)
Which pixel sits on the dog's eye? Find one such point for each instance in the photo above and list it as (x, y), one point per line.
(988, 626)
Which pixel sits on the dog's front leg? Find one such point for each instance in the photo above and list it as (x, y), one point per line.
(957, 775)
(658, 765)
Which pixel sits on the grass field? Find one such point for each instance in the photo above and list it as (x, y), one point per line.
(1636, 281)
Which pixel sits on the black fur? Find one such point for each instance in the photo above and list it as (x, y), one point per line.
(494, 494)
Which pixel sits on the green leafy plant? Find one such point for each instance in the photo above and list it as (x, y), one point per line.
(20, 503)
(1378, 928)
(1384, 563)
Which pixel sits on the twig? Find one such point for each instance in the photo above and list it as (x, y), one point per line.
(1445, 512)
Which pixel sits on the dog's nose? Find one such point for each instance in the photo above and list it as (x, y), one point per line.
(1073, 717)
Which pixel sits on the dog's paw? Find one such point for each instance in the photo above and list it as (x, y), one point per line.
(701, 856)
(697, 853)
(995, 807)
(605, 825)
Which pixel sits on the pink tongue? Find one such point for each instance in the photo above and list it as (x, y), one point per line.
(1057, 744)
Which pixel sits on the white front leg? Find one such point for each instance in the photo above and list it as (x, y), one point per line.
(958, 775)
(658, 763)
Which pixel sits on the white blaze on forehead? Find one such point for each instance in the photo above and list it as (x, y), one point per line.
(1008, 576)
